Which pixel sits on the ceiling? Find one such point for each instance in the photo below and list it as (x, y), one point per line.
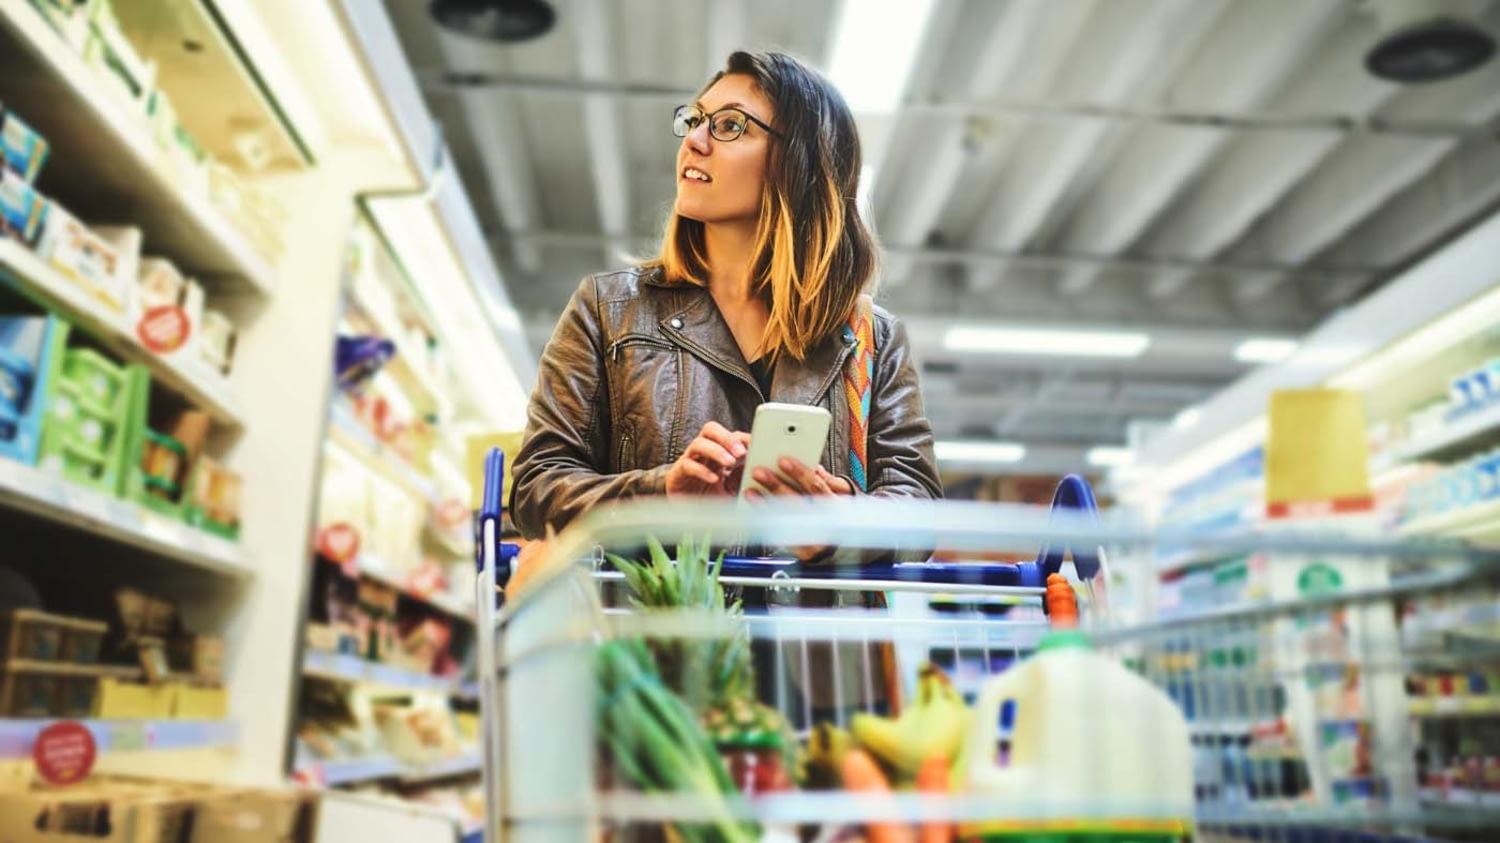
(1200, 170)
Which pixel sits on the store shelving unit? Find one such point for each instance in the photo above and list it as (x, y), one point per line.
(121, 736)
(194, 382)
(347, 668)
(109, 151)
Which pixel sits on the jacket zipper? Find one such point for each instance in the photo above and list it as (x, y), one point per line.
(624, 454)
(638, 339)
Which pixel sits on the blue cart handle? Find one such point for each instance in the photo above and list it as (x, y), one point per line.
(487, 526)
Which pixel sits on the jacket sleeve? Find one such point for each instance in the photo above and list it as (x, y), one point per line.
(561, 469)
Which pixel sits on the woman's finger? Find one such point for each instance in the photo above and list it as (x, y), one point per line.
(700, 472)
(773, 484)
(799, 475)
(722, 436)
(711, 453)
(836, 485)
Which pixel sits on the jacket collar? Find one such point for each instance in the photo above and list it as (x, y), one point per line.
(693, 321)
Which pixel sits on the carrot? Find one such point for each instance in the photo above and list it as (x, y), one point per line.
(1062, 602)
(932, 778)
(862, 775)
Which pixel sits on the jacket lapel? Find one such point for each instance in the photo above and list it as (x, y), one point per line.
(694, 322)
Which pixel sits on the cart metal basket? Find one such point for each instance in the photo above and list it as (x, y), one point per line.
(1347, 690)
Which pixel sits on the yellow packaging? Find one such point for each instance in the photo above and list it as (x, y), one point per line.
(121, 700)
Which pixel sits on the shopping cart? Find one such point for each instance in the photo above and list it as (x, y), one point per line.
(1341, 706)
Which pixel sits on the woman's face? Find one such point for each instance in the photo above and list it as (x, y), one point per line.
(735, 170)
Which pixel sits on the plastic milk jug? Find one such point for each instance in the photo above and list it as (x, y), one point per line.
(1071, 742)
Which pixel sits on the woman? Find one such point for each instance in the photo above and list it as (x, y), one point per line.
(653, 374)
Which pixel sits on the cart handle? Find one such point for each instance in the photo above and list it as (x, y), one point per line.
(1074, 493)
(487, 526)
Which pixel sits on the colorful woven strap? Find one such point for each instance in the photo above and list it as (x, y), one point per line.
(859, 374)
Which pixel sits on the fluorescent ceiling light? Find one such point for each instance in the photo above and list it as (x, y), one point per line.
(874, 49)
(980, 451)
(1264, 350)
(1057, 343)
(1187, 418)
(1111, 456)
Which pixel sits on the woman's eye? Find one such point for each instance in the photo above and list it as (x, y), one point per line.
(731, 124)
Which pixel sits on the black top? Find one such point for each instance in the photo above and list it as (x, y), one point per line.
(763, 370)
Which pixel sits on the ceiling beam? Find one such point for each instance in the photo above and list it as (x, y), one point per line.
(1258, 170)
(929, 180)
(602, 126)
(1464, 187)
(1056, 156)
(1254, 51)
(494, 117)
(1367, 172)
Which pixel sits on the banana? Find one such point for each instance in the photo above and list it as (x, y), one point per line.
(826, 748)
(933, 726)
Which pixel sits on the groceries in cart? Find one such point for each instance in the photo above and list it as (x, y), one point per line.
(680, 715)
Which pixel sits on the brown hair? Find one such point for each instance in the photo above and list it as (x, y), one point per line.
(813, 252)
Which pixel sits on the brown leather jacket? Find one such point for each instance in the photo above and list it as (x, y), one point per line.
(636, 367)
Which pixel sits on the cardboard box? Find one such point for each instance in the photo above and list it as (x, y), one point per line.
(122, 700)
(190, 702)
(257, 817)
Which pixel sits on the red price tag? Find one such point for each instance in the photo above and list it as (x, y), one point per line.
(339, 542)
(64, 753)
(164, 329)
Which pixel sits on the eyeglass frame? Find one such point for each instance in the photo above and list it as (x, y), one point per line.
(709, 116)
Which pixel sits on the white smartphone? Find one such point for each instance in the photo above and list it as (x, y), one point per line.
(798, 431)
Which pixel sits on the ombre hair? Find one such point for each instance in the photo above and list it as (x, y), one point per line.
(813, 253)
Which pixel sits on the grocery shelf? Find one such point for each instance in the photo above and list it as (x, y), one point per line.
(373, 570)
(1464, 706)
(357, 770)
(349, 668)
(30, 489)
(18, 736)
(1469, 432)
(449, 540)
(110, 159)
(349, 435)
(1479, 521)
(462, 765)
(202, 387)
(1193, 558)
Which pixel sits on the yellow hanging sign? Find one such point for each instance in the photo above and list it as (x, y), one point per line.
(1317, 457)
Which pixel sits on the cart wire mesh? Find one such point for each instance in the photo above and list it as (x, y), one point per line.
(1350, 692)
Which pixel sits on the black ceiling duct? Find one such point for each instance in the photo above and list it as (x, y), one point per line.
(507, 21)
(1430, 50)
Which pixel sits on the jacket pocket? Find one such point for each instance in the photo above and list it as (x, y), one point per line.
(628, 340)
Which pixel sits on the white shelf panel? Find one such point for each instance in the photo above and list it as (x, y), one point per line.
(106, 148)
(201, 386)
(355, 669)
(18, 736)
(1473, 430)
(347, 434)
(358, 770)
(40, 493)
(1479, 522)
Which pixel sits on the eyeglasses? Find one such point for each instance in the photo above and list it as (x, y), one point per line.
(724, 125)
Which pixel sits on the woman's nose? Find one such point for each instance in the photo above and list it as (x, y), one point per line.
(698, 139)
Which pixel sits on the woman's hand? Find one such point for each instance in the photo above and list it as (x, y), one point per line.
(797, 479)
(711, 464)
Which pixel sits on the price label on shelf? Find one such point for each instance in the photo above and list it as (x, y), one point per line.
(128, 737)
(64, 753)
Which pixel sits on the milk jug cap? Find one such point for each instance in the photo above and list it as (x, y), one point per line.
(1064, 639)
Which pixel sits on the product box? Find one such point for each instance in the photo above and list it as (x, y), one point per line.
(191, 702)
(90, 260)
(201, 656)
(262, 816)
(115, 59)
(216, 341)
(69, 17)
(166, 310)
(30, 350)
(21, 147)
(22, 209)
(121, 699)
